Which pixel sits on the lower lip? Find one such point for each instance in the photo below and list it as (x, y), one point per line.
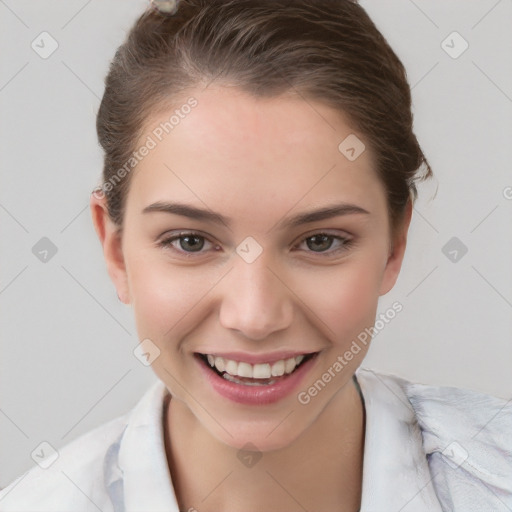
(256, 395)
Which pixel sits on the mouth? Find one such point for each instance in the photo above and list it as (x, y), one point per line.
(260, 383)
(261, 374)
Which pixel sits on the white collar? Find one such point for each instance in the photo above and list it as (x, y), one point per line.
(142, 457)
(396, 475)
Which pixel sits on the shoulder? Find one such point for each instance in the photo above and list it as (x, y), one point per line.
(466, 437)
(75, 477)
(434, 405)
(84, 474)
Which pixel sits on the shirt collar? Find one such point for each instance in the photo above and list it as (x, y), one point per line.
(395, 469)
(396, 474)
(142, 457)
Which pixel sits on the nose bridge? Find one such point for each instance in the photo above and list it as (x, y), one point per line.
(255, 301)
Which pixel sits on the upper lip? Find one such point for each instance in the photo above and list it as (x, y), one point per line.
(258, 358)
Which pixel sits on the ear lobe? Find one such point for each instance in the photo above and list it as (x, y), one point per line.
(396, 255)
(111, 241)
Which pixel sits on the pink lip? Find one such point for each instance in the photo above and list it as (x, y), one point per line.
(256, 395)
(257, 358)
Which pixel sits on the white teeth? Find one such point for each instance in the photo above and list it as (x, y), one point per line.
(245, 370)
(247, 383)
(278, 369)
(231, 367)
(254, 371)
(261, 371)
(289, 365)
(219, 364)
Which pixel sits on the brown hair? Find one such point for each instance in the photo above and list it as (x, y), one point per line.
(324, 50)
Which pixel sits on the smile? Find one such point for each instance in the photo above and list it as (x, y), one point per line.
(258, 383)
(254, 371)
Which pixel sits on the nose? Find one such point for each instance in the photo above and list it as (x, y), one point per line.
(256, 300)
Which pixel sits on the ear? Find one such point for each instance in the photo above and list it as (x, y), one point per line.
(397, 251)
(111, 241)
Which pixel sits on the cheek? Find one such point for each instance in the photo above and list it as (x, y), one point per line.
(345, 298)
(169, 300)
(164, 297)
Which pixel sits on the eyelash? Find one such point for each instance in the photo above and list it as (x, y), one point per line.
(167, 243)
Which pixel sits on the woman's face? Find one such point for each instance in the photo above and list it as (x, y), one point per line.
(271, 281)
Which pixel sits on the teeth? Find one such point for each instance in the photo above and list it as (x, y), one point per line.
(261, 371)
(219, 364)
(244, 370)
(247, 383)
(254, 371)
(289, 365)
(278, 369)
(231, 367)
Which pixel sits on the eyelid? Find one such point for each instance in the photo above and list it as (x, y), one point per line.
(344, 238)
(340, 233)
(166, 240)
(176, 233)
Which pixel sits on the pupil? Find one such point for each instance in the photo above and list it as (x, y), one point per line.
(325, 242)
(193, 246)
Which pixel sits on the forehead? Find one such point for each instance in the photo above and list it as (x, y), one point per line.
(231, 148)
(239, 124)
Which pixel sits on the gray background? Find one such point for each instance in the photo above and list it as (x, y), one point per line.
(66, 346)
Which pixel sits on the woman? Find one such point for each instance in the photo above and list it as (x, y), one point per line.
(260, 170)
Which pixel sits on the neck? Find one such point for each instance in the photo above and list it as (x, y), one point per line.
(321, 470)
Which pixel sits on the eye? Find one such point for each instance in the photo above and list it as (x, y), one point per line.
(192, 243)
(187, 243)
(320, 243)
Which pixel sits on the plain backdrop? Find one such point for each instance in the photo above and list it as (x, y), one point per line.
(67, 362)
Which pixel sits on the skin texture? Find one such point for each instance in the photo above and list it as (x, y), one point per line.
(258, 162)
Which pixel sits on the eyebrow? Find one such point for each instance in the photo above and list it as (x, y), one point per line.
(192, 212)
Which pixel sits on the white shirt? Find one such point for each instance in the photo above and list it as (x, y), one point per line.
(427, 449)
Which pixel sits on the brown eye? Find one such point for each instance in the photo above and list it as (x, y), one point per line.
(319, 242)
(186, 243)
(192, 243)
